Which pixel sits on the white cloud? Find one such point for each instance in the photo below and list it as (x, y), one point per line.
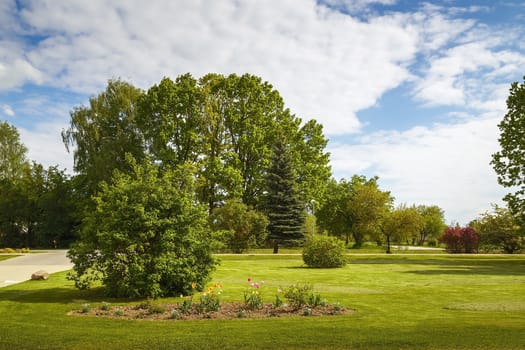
(15, 69)
(45, 145)
(327, 65)
(7, 110)
(353, 6)
(445, 165)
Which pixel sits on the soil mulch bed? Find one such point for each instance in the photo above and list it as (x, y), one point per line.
(164, 312)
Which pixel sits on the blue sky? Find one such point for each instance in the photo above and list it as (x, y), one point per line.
(409, 91)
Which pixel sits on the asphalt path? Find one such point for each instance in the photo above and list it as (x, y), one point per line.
(20, 269)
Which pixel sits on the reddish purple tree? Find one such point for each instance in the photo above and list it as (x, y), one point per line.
(460, 239)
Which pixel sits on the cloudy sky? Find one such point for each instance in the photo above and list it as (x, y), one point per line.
(409, 91)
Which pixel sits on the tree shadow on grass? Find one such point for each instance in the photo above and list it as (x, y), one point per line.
(52, 295)
(470, 270)
(466, 265)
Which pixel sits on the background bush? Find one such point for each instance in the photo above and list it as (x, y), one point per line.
(460, 239)
(324, 251)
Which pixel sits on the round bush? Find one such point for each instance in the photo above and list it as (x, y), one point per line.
(324, 251)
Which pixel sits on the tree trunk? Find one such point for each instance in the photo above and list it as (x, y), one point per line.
(388, 245)
(275, 247)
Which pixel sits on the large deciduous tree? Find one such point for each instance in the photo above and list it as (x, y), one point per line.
(35, 207)
(354, 209)
(146, 237)
(283, 204)
(227, 126)
(509, 162)
(102, 133)
(13, 160)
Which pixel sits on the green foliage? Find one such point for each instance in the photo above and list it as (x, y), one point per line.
(210, 300)
(499, 231)
(509, 162)
(103, 133)
(300, 295)
(186, 305)
(226, 126)
(354, 208)
(297, 295)
(36, 210)
(246, 227)
(324, 251)
(13, 161)
(312, 162)
(401, 224)
(283, 204)
(156, 309)
(85, 308)
(432, 223)
(146, 237)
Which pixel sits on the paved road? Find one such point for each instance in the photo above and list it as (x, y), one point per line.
(19, 269)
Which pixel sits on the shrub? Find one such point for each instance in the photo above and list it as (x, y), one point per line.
(210, 300)
(156, 309)
(85, 308)
(146, 236)
(460, 239)
(186, 305)
(298, 295)
(324, 251)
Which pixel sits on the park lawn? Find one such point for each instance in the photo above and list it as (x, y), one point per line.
(400, 302)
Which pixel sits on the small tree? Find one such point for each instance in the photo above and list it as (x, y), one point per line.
(147, 237)
(432, 225)
(499, 230)
(246, 227)
(460, 239)
(400, 224)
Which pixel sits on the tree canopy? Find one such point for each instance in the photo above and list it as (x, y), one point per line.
(509, 161)
(400, 224)
(354, 208)
(13, 154)
(500, 230)
(225, 126)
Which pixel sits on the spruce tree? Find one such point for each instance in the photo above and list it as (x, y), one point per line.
(283, 203)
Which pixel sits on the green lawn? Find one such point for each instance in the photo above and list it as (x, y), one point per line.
(401, 302)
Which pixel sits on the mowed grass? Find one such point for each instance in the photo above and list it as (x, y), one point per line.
(400, 302)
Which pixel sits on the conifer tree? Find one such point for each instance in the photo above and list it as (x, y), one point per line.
(283, 203)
